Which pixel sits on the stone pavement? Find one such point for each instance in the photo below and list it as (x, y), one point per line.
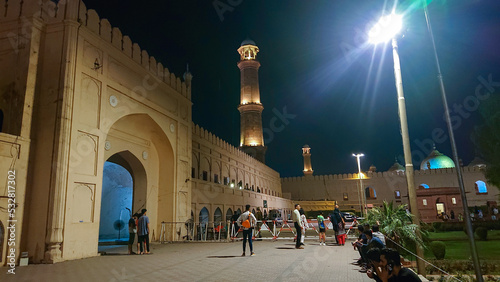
(205, 261)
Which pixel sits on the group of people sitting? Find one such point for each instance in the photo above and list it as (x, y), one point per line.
(377, 261)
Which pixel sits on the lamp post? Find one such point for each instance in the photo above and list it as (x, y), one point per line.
(468, 223)
(388, 28)
(362, 196)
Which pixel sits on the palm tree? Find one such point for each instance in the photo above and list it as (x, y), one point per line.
(396, 224)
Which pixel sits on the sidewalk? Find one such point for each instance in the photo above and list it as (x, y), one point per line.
(274, 261)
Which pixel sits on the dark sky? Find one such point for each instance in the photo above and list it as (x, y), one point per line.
(316, 64)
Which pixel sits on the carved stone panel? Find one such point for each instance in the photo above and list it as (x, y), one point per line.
(90, 102)
(83, 202)
(84, 154)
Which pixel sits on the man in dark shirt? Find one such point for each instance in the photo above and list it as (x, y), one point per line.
(388, 268)
(143, 232)
(132, 230)
(372, 242)
(360, 242)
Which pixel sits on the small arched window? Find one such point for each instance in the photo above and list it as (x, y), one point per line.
(370, 193)
(229, 214)
(423, 186)
(217, 216)
(481, 187)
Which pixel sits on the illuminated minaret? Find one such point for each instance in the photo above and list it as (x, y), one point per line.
(306, 153)
(252, 137)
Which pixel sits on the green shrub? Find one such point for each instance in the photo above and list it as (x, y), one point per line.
(438, 248)
(437, 225)
(482, 233)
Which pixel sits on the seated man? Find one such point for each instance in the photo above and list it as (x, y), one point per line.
(360, 242)
(388, 267)
(372, 242)
(377, 233)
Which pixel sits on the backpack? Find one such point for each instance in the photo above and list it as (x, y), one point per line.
(247, 223)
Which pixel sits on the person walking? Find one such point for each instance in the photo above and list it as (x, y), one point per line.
(143, 232)
(303, 220)
(247, 221)
(322, 229)
(298, 225)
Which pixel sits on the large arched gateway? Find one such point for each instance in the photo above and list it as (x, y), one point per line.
(138, 144)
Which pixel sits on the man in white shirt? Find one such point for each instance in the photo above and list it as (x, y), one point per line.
(247, 221)
(377, 233)
(298, 225)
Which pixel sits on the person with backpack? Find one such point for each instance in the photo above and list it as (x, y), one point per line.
(322, 229)
(247, 221)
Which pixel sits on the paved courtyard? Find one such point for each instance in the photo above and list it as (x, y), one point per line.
(205, 261)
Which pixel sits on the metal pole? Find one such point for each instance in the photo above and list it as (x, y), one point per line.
(412, 195)
(468, 223)
(361, 195)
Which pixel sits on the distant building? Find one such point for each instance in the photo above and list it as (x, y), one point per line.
(436, 182)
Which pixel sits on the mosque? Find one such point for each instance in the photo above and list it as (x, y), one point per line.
(93, 129)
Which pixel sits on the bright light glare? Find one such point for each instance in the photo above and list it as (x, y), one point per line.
(386, 28)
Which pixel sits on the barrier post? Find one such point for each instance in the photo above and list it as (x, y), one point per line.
(162, 232)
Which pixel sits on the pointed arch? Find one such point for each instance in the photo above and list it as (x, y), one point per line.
(229, 214)
(217, 215)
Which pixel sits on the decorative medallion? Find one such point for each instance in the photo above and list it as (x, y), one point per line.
(145, 155)
(172, 127)
(107, 145)
(113, 101)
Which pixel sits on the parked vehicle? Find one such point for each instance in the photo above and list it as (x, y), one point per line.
(349, 217)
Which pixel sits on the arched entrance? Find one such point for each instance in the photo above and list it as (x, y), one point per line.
(124, 192)
(203, 219)
(138, 143)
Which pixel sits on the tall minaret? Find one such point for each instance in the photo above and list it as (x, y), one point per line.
(306, 153)
(252, 137)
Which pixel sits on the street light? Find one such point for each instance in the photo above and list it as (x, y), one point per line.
(387, 28)
(362, 196)
(468, 223)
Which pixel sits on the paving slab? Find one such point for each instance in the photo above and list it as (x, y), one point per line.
(205, 261)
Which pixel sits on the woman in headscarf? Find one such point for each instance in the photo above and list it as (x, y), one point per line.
(341, 227)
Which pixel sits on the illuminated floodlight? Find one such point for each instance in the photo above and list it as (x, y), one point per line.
(386, 28)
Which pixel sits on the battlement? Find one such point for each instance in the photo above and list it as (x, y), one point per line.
(353, 176)
(66, 10)
(201, 133)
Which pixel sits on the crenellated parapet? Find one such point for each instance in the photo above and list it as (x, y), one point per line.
(49, 12)
(201, 133)
(350, 176)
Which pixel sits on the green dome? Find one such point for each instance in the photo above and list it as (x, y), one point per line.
(436, 160)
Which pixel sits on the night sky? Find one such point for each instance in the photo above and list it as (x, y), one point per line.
(316, 63)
